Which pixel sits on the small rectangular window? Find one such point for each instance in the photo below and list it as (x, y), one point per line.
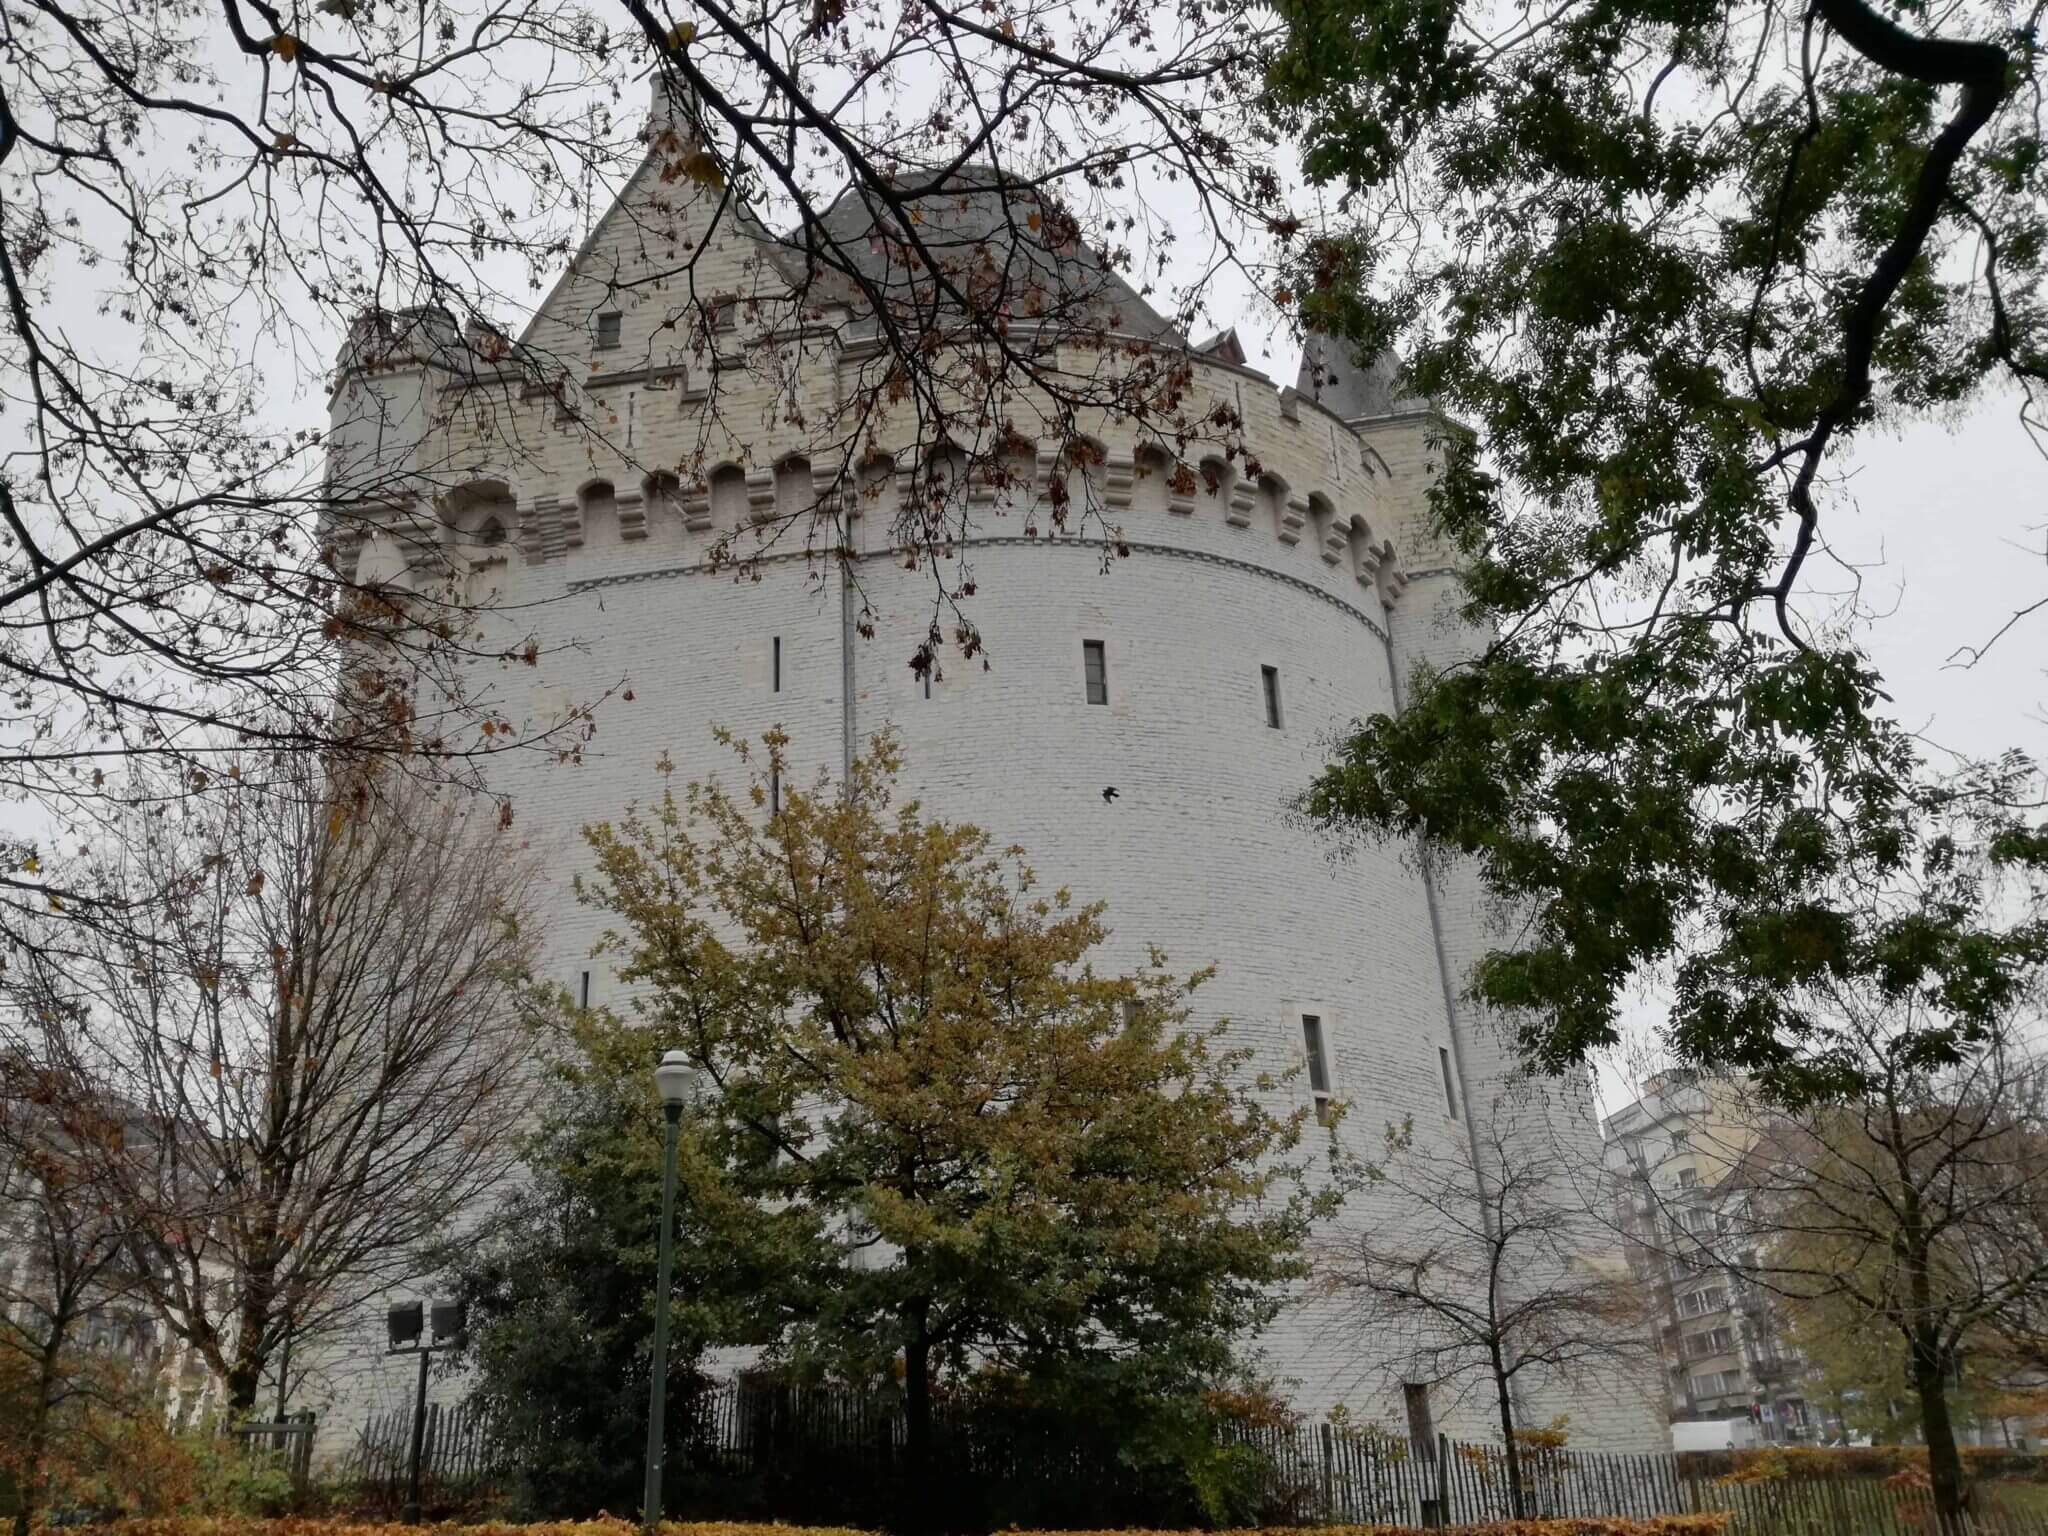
(1130, 1012)
(1096, 670)
(583, 990)
(776, 685)
(1270, 676)
(1443, 1056)
(774, 792)
(608, 326)
(1318, 1064)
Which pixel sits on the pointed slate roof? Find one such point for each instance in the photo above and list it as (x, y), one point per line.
(1005, 244)
(1344, 388)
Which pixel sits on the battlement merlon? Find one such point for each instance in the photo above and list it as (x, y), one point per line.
(1339, 462)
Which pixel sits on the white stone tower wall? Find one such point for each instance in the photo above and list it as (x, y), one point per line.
(608, 568)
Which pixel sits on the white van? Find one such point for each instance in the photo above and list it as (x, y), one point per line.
(1713, 1434)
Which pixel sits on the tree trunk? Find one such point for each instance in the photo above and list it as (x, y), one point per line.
(1944, 1461)
(921, 1506)
(917, 1393)
(244, 1376)
(30, 1473)
(1507, 1434)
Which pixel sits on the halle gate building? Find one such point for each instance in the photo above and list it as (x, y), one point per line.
(1185, 634)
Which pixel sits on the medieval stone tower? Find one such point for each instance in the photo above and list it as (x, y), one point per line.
(1202, 673)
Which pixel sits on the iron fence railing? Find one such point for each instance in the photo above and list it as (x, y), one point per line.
(836, 1456)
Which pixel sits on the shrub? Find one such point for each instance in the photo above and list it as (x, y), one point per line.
(1666, 1525)
(1769, 1463)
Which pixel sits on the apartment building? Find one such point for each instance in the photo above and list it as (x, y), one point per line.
(1674, 1158)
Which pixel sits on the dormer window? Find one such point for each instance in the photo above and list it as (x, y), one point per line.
(608, 326)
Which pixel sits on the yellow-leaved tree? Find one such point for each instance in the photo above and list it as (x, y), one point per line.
(934, 1138)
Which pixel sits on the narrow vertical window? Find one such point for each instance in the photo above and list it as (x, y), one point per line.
(1095, 669)
(776, 685)
(774, 791)
(1318, 1065)
(1270, 678)
(608, 326)
(1443, 1057)
(583, 990)
(927, 682)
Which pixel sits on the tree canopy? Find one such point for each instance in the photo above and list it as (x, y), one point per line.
(206, 211)
(936, 1143)
(1661, 265)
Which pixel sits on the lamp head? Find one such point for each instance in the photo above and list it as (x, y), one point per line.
(675, 1078)
(402, 1325)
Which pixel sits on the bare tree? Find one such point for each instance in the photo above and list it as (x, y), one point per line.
(1919, 1207)
(1494, 1270)
(310, 1009)
(201, 209)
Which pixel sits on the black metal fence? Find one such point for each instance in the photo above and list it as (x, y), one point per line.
(832, 1456)
(463, 1461)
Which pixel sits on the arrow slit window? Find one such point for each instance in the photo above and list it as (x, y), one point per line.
(1095, 671)
(1318, 1053)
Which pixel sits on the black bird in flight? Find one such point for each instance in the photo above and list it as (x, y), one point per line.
(1109, 794)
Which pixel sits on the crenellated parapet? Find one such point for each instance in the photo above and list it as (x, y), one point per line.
(648, 467)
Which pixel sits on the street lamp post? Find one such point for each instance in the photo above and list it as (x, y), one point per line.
(672, 1078)
(412, 1329)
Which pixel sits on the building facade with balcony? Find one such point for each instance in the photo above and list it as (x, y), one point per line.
(1673, 1158)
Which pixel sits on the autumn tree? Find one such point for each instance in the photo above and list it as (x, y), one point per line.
(1665, 267)
(308, 1018)
(73, 1316)
(1493, 1270)
(947, 1144)
(1863, 1375)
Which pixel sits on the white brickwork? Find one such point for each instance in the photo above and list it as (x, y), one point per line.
(1197, 853)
